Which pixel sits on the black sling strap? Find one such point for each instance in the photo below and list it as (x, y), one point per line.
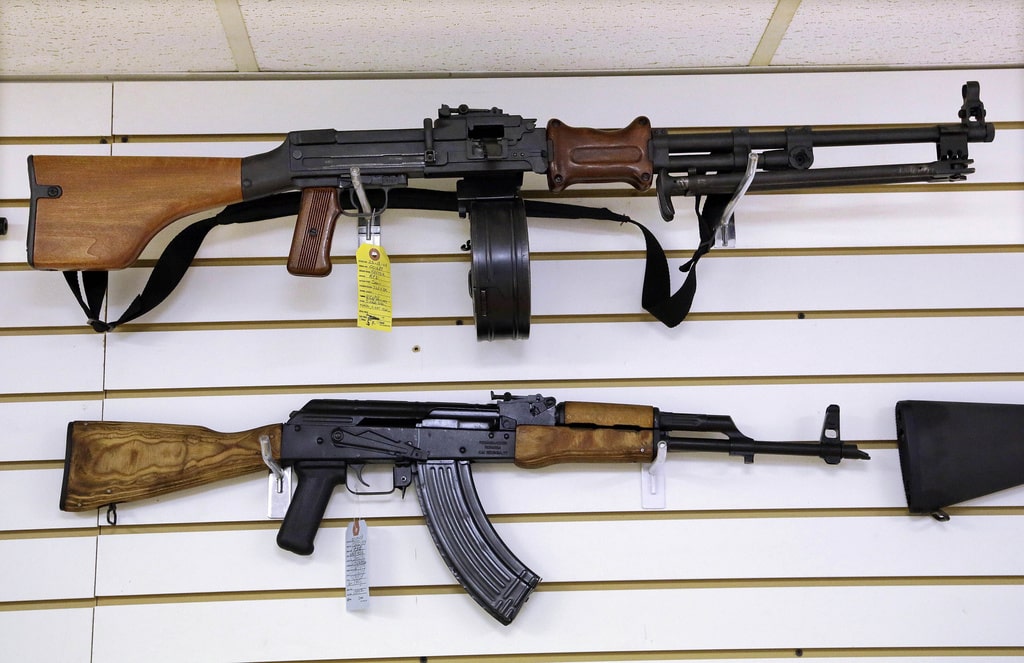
(174, 261)
(90, 287)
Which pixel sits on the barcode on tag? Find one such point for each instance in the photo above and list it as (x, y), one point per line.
(357, 581)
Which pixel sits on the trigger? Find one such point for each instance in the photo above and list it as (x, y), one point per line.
(358, 469)
(402, 477)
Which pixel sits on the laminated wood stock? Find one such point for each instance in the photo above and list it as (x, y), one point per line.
(111, 462)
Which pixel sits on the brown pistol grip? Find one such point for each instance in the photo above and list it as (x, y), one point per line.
(587, 156)
(310, 254)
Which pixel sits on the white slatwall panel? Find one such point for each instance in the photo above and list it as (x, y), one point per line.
(791, 99)
(36, 430)
(568, 552)
(47, 571)
(57, 634)
(67, 110)
(449, 354)
(567, 621)
(602, 286)
(758, 560)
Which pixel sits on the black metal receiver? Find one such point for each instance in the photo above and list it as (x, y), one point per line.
(433, 444)
(331, 442)
(487, 149)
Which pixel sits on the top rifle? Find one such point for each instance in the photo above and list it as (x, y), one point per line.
(98, 213)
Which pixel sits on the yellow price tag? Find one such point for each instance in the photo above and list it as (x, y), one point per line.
(373, 275)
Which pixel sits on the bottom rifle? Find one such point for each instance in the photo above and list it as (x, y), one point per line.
(430, 444)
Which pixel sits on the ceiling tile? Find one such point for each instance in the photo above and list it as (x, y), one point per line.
(525, 36)
(904, 32)
(40, 38)
(47, 37)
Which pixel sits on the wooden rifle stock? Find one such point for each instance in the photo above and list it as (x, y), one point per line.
(112, 462)
(98, 213)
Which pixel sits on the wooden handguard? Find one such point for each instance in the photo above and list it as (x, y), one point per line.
(112, 462)
(591, 433)
(310, 254)
(98, 213)
(581, 155)
(540, 446)
(607, 414)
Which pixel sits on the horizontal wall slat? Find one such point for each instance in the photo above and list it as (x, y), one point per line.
(39, 299)
(32, 110)
(605, 102)
(571, 552)
(592, 287)
(35, 364)
(56, 635)
(12, 245)
(673, 619)
(35, 508)
(47, 568)
(441, 354)
(37, 430)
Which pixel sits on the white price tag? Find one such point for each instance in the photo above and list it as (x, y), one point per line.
(357, 581)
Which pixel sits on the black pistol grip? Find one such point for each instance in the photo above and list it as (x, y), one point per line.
(316, 482)
(474, 552)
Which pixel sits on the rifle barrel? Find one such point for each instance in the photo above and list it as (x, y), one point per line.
(726, 183)
(777, 139)
(748, 447)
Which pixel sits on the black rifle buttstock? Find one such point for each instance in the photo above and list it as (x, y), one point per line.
(316, 482)
(473, 551)
(954, 452)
